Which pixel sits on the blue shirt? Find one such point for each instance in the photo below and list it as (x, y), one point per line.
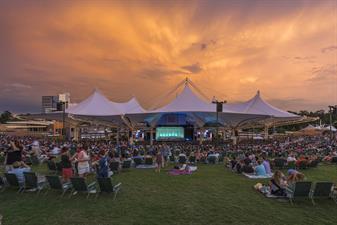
(260, 170)
(19, 173)
(103, 167)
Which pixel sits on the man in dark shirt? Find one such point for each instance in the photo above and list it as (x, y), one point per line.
(14, 154)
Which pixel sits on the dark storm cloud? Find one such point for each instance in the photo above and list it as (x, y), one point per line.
(194, 68)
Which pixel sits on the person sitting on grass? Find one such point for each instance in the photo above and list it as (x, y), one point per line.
(260, 170)
(293, 177)
(247, 168)
(266, 165)
(18, 169)
(277, 184)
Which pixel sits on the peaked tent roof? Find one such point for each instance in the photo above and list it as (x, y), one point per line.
(130, 107)
(187, 101)
(310, 127)
(257, 105)
(332, 128)
(95, 105)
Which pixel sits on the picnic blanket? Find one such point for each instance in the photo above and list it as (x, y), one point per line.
(253, 176)
(177, 172)
(143, 166)
(265, 190)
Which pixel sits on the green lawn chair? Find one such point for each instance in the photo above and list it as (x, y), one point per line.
(279, 163)
(79, 185)
(302, 165)
(192, 159)
(137, 161)
(172, 159)
(114, 167)
(291, 165)
(2, 184)
(148, 161)
(314, 163)
(106, 186)
(32, 182)
(301, 190)
(52, 166)
(322, 190)
(126, 164)
(35, 161)
(211, 160)
(182, 159)
(55, 183)
(13, 181)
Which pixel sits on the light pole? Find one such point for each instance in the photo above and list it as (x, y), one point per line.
(219, 106)
(331, 110)
(63, 104)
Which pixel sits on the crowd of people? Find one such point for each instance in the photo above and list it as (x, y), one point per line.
(82, 158)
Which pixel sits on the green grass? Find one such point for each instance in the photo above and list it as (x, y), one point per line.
(213, 195)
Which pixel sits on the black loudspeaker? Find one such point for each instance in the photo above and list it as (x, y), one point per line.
(188, 133)
(147, 136)
(219, 107)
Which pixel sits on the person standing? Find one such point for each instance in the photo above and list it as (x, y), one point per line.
(67, 170)
(159, 161)
(83, 163)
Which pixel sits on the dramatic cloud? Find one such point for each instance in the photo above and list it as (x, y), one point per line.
(286, 49)
(328, 49)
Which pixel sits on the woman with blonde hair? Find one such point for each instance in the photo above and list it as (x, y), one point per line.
(277, 184)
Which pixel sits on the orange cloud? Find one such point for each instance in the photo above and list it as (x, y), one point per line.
(145, 48)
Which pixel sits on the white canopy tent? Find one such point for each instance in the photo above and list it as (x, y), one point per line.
(130, 107)
(95, 105)
(257, 105)
(188, 103)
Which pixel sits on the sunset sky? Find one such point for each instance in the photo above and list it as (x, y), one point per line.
(230, 49)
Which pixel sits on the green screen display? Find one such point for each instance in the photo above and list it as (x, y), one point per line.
(169, 133)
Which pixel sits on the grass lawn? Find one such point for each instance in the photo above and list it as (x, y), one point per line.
(213, 195)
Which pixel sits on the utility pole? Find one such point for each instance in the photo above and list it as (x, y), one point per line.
(331, 110)
(219, 106)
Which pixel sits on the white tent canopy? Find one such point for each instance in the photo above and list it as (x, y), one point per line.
(310, 127)
(258, 106)
(332, 128)
(187, 101)
(130, 107)
(95, 105)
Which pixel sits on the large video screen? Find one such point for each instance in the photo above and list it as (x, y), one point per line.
(167, 133)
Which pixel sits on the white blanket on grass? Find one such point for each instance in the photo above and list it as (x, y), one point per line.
(146, 166)
(253, 176)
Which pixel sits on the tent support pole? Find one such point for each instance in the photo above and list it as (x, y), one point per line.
(151, 136)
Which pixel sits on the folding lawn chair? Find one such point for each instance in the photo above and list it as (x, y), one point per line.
(114, 167)
(126, 164)
(79, 185)
(106, 186)
(137, 161)
(148, 161)
(55, 183)
(322, 190)
(32, 182)
(52, 166)
(13, 181)
(301, 190)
